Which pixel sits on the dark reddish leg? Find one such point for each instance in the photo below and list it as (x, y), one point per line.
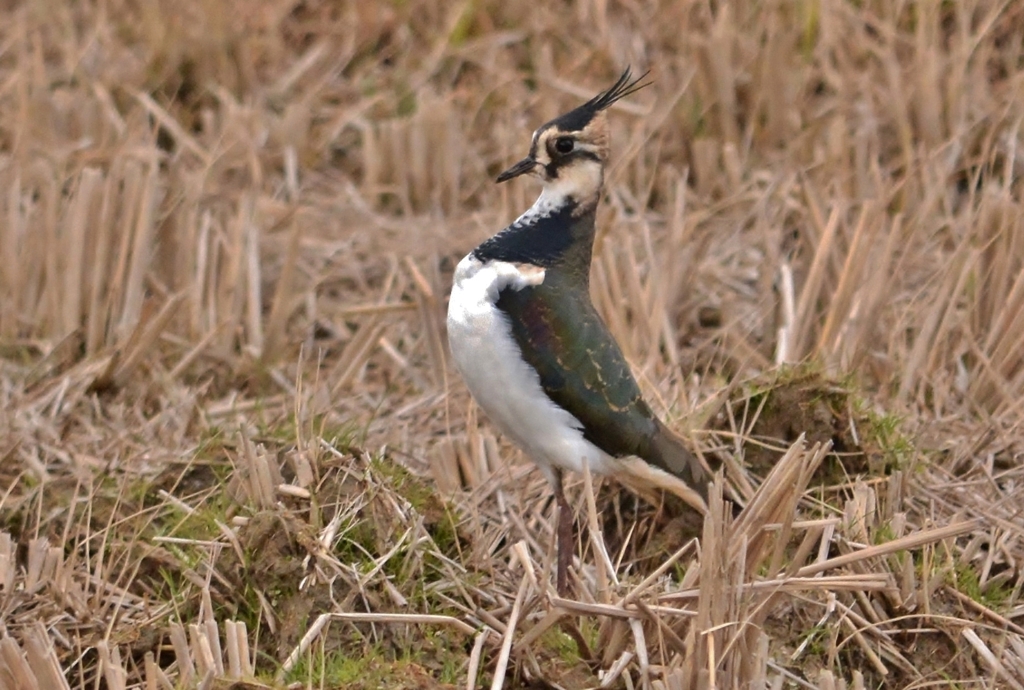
(566, 543)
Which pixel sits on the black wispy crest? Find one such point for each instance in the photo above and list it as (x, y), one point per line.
(577, 119)
(622, 88)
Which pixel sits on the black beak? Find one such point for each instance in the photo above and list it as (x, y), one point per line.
(521, 168)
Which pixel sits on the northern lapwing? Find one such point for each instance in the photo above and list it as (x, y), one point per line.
(533, 350)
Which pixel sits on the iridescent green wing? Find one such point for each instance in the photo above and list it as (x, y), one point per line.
(580, 365)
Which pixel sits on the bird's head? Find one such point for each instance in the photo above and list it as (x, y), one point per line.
(568, 153)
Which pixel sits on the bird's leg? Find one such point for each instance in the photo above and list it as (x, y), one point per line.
(566, 544)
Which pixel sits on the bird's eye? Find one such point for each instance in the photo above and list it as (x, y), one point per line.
(564, 144)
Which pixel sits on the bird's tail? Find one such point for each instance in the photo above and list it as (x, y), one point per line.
(669, 453)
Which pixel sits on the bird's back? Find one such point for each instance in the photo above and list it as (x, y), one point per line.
(583, 370)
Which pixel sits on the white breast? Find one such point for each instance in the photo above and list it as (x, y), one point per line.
(504, 385)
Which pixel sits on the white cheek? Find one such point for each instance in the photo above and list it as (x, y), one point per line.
(580, 181)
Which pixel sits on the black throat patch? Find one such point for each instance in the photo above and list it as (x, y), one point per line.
(541, 240)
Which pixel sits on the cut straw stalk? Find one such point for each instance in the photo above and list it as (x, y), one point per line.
(911, 541)
(506, 641)
(401, 618)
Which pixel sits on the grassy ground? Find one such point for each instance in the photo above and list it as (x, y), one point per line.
(232, 453)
